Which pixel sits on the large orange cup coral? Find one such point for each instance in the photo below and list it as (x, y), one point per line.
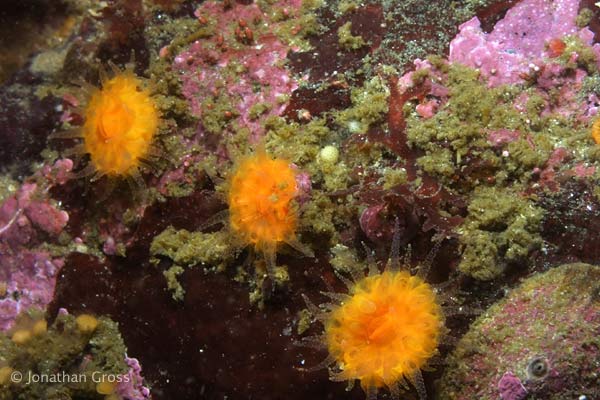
(262, 212)
(386, 331)
(383, 332)
(121, 120)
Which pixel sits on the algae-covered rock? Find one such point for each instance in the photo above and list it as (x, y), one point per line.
(62, 361)
(190, 248)
(540, 342)
(501, 227)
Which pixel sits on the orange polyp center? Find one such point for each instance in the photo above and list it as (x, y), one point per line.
(381, 329)
(115, 120)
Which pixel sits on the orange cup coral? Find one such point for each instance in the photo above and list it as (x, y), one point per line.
(382, 333)
(121, 120)
(596, 130)
(262, 212)
(386, 331)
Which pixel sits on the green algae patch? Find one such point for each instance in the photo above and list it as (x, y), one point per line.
(186, 249)
(553, 317)
(392, 177)
(191, 248)
(60, 349)
(584, 17)
(586, 57)
(460, 133)
(344, 260)
(217, 113)
(369, 106)
(172, 275)
(278, 277)
(301, 144)
(348, 41)
(501, 227)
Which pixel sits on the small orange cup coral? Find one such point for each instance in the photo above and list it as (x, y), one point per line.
(382, 333)
(596, 130)
(121, 120)
(262, 212)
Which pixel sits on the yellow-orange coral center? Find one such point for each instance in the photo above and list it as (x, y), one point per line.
(260, 201)
(596, 130)
(387, 330)
(120, 122)
(116, 120)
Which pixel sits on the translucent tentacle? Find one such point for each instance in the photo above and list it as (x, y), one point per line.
(76, 150)
(219, 218)
(395, 391)
(339, 297)
(87, 171)
(73, 133)
(395, 252)
(371, 393)
(450, 311)
(312, 342)
(137, 178)
(103, 74)
(322, 365)
(114, 68)
(417, 381)
(315, 311)
(347, 282)
(300, 247)
(423, 271)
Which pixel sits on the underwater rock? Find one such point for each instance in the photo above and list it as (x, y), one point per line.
(133, 387)
(544, 333)
(25, 122)
(518, 42)
(28, 270)
(30, 278)
(233, 66)
(74, 357)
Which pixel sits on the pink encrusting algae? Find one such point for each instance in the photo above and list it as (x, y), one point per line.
(519, 41)
(28, 270)
(257, 58)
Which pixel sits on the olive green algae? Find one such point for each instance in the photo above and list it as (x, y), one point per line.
(501, 227)
(191, 248)
(63, 348)
(348, 41)
(187, 249)
(553, 317)
(458, 132)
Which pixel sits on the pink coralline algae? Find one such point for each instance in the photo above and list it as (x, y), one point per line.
(511, 387)
(518, 42)
(252, 59)
(27, 218)
(502, 136)
(541, 341)
(133, 388)
(30, 278)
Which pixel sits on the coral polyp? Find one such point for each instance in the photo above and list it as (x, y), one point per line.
(262, 210)
(120, 122)
(386, 331)
(383, 332)
(596, 131)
